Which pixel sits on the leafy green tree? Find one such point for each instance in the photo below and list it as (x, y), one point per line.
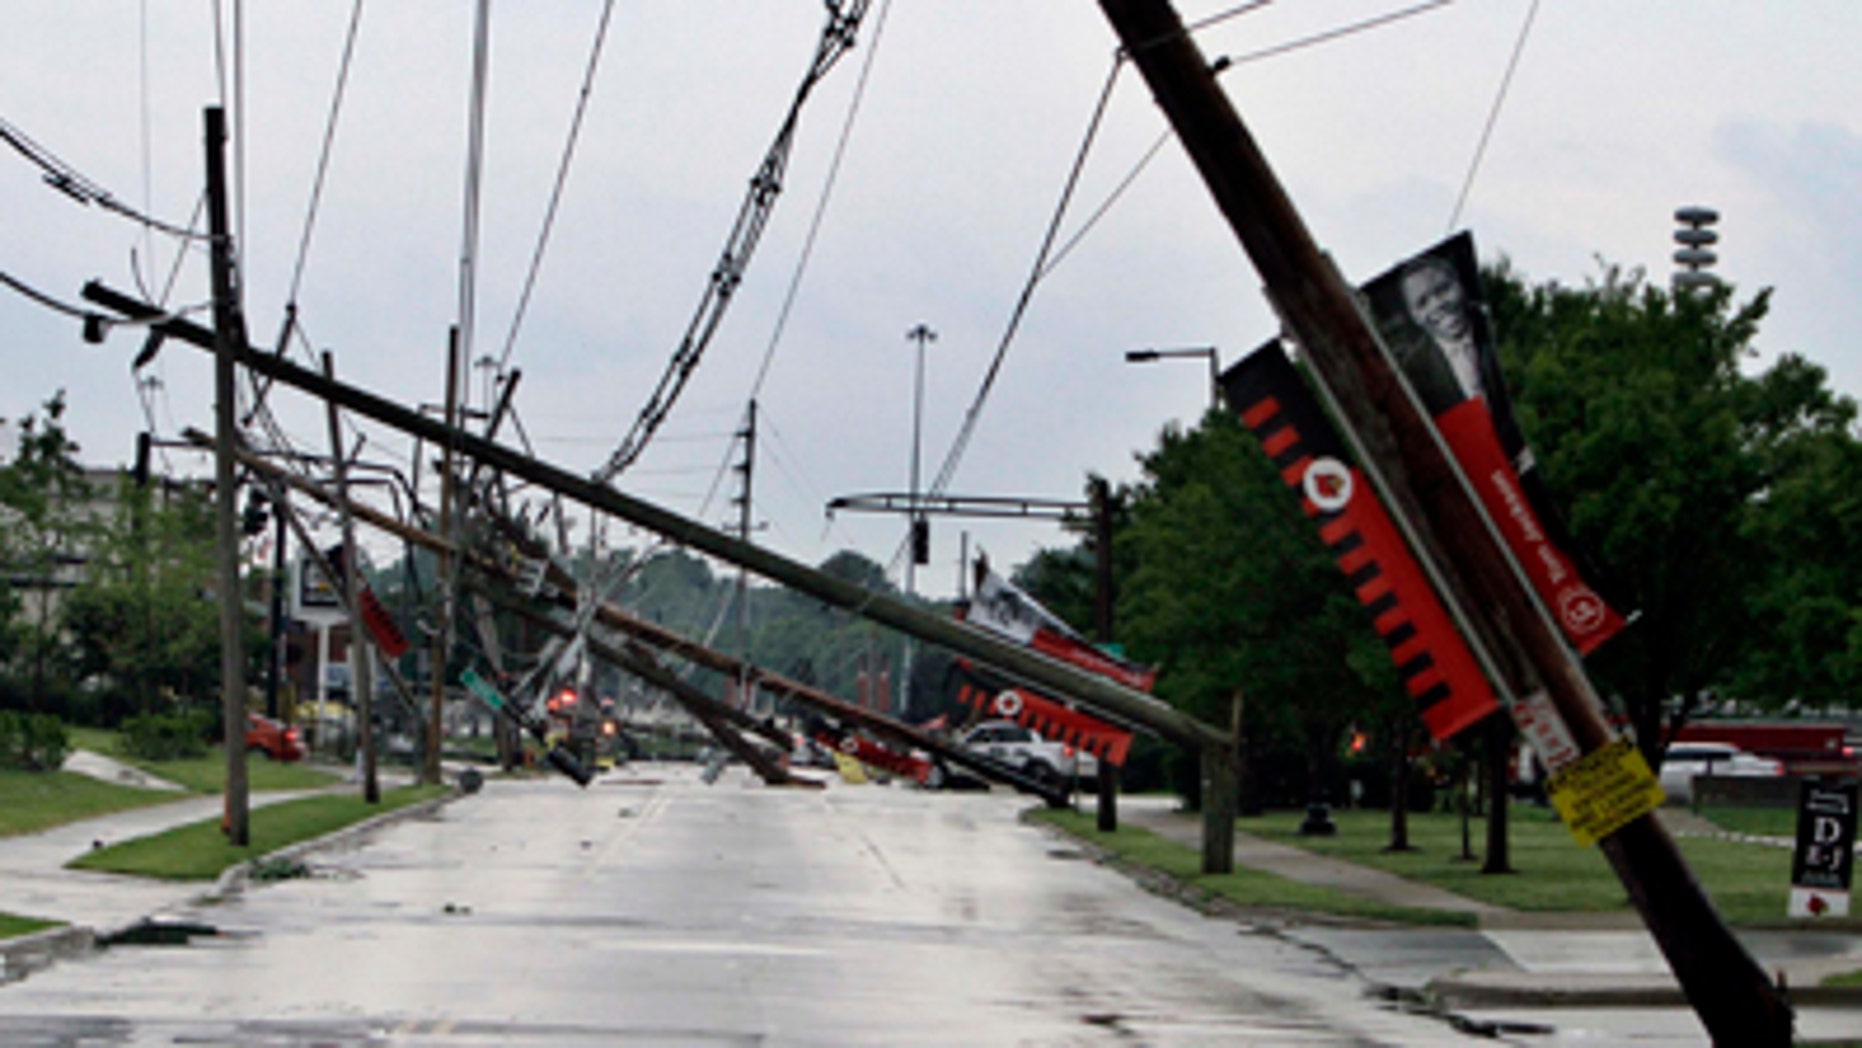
(141, 620)
(1232, 594)
(1690, 478)
(42, 492)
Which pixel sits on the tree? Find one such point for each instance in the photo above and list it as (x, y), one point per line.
(1691, 480)
(41, 491)
(140, 619)
(1231, 593)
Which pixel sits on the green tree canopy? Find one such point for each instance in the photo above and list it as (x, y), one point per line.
(1696, 479)
(1230, 590)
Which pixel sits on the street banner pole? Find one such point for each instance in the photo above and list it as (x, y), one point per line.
(1731, 994)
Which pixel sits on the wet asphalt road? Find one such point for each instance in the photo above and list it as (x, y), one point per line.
(651, 909)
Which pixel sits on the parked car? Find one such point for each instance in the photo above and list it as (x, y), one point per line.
(275, 739)
(1685, 760)
(1022, 748)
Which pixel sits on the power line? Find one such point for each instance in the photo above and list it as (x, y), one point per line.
(837, 36)
(1330, 35)
(1047, 261)
(323, 154)
(1493, 114)
(562, 178)
(974, 414)
(73, 183)
(821, 204)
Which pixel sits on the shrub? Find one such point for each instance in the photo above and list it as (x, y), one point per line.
(163, 737)
(32, 741)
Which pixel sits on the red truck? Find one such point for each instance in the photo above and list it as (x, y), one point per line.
(1806, 748)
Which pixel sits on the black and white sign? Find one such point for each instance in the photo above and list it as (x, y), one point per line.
(1824, 861)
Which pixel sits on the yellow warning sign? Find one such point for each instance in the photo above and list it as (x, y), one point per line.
(1603, 790)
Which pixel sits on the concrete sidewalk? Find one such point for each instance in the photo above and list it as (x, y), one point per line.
(1512, 957)
(34, 881)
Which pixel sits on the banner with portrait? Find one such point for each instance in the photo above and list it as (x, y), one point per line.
(1434, 318)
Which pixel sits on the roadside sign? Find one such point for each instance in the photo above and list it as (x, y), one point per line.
(481, 689)
(1824, 860)
(1603, 791)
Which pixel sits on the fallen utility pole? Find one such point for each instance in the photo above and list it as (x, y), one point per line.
(1727, 989)
(276, 480)
(666, 640)
(1099, 507)
(1036, 669)
(726, 723)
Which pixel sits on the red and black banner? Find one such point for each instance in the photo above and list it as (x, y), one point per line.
(1433, 317)
(1001, 607)
(388, 635)
(1004, 609)
(872, 754)
(1044, 716)
(1433, 661)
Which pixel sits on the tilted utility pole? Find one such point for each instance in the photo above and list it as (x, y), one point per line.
(351, 567)
(1727, 989)
(443, 629)
(745, 512)
(229, 336)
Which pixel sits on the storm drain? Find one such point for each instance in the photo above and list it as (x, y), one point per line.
(157, 933)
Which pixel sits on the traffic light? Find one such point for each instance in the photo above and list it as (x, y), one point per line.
(253, 520)
(921, 541)
(141, 474)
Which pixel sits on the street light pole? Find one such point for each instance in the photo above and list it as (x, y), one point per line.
(918, 536)
(1147, 356)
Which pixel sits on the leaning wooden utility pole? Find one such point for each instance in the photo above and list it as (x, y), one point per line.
(1727, 989)
(229, 335)
(443, 629)
(351, 567)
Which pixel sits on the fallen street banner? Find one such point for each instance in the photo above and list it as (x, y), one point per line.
(1433, 316)
(1042, 715)
(1433, 661)
(1003, 608)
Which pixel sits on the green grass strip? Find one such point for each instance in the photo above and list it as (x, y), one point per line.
(208, 774)
(12, 925)
(199, 851)
(1244, 887)
(31, 801)
(1748, 882)
(1845, 979)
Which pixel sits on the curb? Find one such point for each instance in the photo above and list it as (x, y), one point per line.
(1505, 987)
(22, 955)
(235, 878)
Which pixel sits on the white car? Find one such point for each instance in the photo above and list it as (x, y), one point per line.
(1685, 760)
(1019, 747)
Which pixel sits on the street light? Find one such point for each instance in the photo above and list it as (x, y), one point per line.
(1147, 356)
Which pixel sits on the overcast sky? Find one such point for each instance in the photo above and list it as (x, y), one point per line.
(969, 123)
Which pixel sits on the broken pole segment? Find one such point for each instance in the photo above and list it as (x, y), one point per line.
(1727, 989)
